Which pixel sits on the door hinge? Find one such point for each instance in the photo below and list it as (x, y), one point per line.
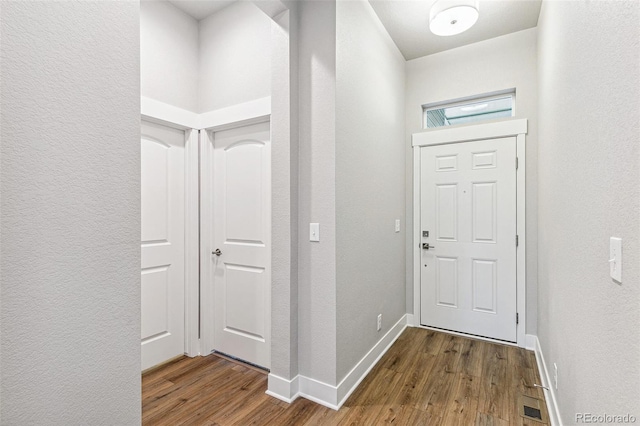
(517, 241)
(516, 163)
(517, 318)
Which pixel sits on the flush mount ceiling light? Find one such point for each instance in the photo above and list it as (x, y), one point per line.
(451, 17)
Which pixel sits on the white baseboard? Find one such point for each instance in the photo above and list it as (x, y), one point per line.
(550, 394)
(320, 392)
(283, 389)
(362, 368)
(412, 320)
(335, 396)
(530, 342)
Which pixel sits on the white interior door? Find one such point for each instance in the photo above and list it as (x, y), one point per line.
(468, 207)
(239, 251)
(162, 174)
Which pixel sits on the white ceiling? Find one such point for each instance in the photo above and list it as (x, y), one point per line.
(200, 9)
(407, 21)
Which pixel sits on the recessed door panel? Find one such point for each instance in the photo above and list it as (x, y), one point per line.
(446, 163)
(446, 211)
(447, 281)
(154, 190)
(245, 289)
(485, 283)
(155, 302)
(244, 211)
(485, 160)
(484, 199)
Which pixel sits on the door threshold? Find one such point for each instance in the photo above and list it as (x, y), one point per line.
(470, 336)
(241, 362)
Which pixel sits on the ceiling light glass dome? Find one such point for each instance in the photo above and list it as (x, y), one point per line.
(451, 17)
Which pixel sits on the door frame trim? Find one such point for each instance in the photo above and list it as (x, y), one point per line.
(499, 129)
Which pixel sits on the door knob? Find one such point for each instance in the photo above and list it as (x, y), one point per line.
(217, 252)
(426, 246)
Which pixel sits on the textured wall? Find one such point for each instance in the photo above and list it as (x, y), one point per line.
(169, 55)
(589, 116)
(370, 170)
(70, 213)
(501, 63)
(284, 201)
(317, 260)
(235, 56)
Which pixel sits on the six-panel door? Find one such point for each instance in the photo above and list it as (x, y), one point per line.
(468, 206)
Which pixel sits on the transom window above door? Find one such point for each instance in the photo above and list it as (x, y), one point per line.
(468, 111)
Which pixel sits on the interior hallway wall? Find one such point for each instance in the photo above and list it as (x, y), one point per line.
(317, 191)
(70, 213)
(169, 55)
(284, 177)
(370, 170)
(500, 63)
(235, 57)
(589, 188)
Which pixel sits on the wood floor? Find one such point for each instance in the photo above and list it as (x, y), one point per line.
(426, 378)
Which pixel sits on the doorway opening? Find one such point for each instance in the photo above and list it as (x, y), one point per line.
(235, 129)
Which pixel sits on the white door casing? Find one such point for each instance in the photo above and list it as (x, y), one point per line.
(468, 205)
(236, 219)
(162, 243)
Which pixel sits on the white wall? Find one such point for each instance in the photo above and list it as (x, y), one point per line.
(317, 191)
(589, 112)
(70, 213)
(370, 170)
(168, 55)
(500, 63)
(235, 56)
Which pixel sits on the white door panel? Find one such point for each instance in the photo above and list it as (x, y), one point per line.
(242, 231)
(468, 205)
(162, 243)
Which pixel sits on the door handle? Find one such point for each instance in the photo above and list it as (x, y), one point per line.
(426, 246)
(217, 252)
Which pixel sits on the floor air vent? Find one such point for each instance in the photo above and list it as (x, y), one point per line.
(533, 409)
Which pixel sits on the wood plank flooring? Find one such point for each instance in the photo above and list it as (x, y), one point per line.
(426, 378)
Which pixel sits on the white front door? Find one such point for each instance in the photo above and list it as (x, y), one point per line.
(162, 198)
(468, 208)
(239, 251)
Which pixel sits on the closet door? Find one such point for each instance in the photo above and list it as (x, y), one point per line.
(162, 243)
(237, 252)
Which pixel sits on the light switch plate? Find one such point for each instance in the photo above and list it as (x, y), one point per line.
(615, 258)
(314, 232)
(397, 225)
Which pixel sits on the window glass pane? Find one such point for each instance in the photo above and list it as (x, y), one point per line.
(480, 110)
